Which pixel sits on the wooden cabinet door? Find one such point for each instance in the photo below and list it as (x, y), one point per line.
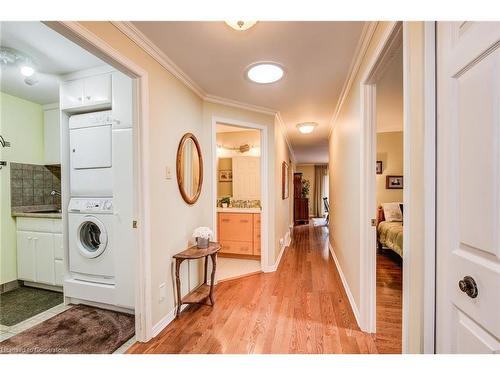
(237, 247)
(256, 234)
(72, 94)
(44, 258)
(235, 227)
(25, 256)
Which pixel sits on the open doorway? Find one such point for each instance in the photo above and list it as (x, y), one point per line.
(67, 171)
(238, 199)
(389, 198)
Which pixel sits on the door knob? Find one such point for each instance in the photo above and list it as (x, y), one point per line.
(468, 286)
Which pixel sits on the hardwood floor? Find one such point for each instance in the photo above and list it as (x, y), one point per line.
(300, 308)
(389, 302)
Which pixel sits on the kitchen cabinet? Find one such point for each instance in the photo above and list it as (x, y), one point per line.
(39, 250)
(239, 234)
(52, 136)
(89, 93)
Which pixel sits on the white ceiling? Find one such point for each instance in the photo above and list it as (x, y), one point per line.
(316, 57)
(390, 96)
(54, 56)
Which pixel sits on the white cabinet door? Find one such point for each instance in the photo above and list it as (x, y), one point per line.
(91, 147)
(44, 257)
(72, 93)
(246, 177)
(25, 256)
(58, 246)
(97, 90)
(58, 272)
(52, 136)
(468, 188)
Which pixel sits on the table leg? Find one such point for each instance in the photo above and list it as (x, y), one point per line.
(206, 268)
(212, 278)
(178, 285)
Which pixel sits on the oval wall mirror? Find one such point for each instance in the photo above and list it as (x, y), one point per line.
(189, 168)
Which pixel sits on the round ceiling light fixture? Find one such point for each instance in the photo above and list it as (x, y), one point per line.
(240, 25)
(265, 72)
(306, 127)
(27, 70)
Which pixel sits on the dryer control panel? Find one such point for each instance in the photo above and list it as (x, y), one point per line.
(101, 205)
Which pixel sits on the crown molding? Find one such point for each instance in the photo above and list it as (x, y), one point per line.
(234, 103)
(361, 48)
(285, 135)
(138, 37)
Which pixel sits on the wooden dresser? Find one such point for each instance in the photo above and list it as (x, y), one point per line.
(239, 234)
(300, 204)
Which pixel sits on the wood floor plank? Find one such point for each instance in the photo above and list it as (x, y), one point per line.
(300, 308)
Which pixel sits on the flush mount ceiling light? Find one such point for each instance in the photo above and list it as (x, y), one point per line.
(265, 72)
(306, 127)
(240, 25)
(12, 57)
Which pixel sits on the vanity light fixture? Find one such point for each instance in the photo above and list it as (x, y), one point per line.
(306, 127)
(240, 25)
(265, 72)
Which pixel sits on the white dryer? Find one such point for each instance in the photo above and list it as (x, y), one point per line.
(91, 142)
(90, 231)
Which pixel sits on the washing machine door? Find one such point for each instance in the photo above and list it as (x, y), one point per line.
(92, 237)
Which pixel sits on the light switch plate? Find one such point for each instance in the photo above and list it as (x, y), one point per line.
(163, 292)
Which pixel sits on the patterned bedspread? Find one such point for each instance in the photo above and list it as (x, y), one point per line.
(390, 234)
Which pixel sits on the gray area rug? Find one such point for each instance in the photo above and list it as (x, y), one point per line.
(78, 330)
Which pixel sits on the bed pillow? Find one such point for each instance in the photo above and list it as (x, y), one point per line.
(392, 211)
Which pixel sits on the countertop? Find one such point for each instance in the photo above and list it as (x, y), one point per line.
(46, 211)
(240, 210)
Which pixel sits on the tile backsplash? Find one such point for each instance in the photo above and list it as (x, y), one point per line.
(30, 185)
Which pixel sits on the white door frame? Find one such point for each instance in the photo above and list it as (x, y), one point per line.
(95, 45)
(368, 183)
(264, 178)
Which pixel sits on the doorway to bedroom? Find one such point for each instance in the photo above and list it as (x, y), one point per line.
(389, 178)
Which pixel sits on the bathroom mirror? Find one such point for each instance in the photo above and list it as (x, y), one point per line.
(189, 168)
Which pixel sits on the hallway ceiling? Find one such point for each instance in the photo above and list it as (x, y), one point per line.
(316, 57)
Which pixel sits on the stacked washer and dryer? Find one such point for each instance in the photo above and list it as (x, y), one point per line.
(100, 209)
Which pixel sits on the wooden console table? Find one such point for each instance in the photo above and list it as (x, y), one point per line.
(204, 291)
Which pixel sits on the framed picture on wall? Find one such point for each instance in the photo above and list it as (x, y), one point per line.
(225, 175)
(379, 167)
(284, 181)
(394, 182)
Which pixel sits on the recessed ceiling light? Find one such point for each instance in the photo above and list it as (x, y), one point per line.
(27, 70)
(240, 25)
(265, 72)
(306, 127)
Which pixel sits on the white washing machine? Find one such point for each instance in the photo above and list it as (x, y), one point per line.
(90, 231)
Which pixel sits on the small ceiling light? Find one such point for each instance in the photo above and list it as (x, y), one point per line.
(240, 25)
(27, 70)
(265, 72)
(306, 127)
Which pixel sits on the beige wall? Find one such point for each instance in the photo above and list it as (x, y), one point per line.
(283, 207)
(345, 168)
(390, 152)
(307, 171)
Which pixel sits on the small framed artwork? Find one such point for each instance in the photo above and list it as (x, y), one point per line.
(284, 181)
(394, 182)
(379, 167)
(225, 175)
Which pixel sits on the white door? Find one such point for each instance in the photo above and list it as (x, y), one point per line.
(44, 256)
(72, 94)
(25, 256)
(468, 187)
(97, 89)
(246, 177)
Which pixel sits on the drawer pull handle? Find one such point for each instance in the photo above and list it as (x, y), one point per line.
(243, 221)
(225, 220)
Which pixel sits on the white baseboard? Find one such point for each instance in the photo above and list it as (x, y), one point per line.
(287, 239)
(165, 321)
(354, 307)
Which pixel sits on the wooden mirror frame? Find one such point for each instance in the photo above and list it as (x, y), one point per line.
(184, 139)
